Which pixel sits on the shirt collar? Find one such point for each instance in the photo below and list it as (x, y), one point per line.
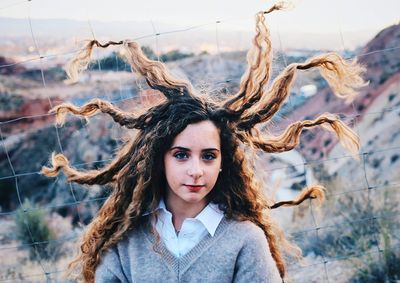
(161, 206)
(210, 216)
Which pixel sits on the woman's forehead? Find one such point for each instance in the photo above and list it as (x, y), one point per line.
(198, 135)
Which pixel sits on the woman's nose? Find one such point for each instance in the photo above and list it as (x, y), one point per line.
(195, 170)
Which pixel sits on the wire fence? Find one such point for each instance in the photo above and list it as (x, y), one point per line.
(374, 219)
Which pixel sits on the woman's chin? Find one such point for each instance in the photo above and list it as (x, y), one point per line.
(194, 198)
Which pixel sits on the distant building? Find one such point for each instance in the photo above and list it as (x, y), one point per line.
(308, 90)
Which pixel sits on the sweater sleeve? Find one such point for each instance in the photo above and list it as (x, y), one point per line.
(110, 269)
(255, 262)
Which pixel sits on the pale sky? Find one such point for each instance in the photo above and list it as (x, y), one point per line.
(307, 15)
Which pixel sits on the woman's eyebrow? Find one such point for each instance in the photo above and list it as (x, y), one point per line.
(180, 148)
(187, 149)
(210, 149)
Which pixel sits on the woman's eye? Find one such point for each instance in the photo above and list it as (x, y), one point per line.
(209, 156)
(180, 155)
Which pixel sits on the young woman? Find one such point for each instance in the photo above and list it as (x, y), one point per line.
(185, 205)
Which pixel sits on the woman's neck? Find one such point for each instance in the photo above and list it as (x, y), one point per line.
(182, 210)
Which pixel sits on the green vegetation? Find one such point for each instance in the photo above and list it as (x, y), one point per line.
(380, 269)
(363, 234)
(349, 237)
(149, 52)
(366, 235)
(10, 102)
(32, 230)
(52, 74)
(174, 55)
(114, 61)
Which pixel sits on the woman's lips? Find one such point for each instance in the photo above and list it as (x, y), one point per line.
(194, 188)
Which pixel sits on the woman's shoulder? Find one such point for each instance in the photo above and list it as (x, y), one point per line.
(129, 240)
(245, 230)
(254, 262)
(115, 262)
(245, 226)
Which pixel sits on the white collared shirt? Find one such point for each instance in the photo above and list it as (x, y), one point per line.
(193, 230)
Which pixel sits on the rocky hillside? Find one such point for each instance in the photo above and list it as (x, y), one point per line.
(381, 57)
(34, 138)
(29, 133)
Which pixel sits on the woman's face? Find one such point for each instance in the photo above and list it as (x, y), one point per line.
(192, 165)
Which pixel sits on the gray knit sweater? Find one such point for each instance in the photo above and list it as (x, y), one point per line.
(238, 252)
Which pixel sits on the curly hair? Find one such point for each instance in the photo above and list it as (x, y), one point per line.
(137, 176)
